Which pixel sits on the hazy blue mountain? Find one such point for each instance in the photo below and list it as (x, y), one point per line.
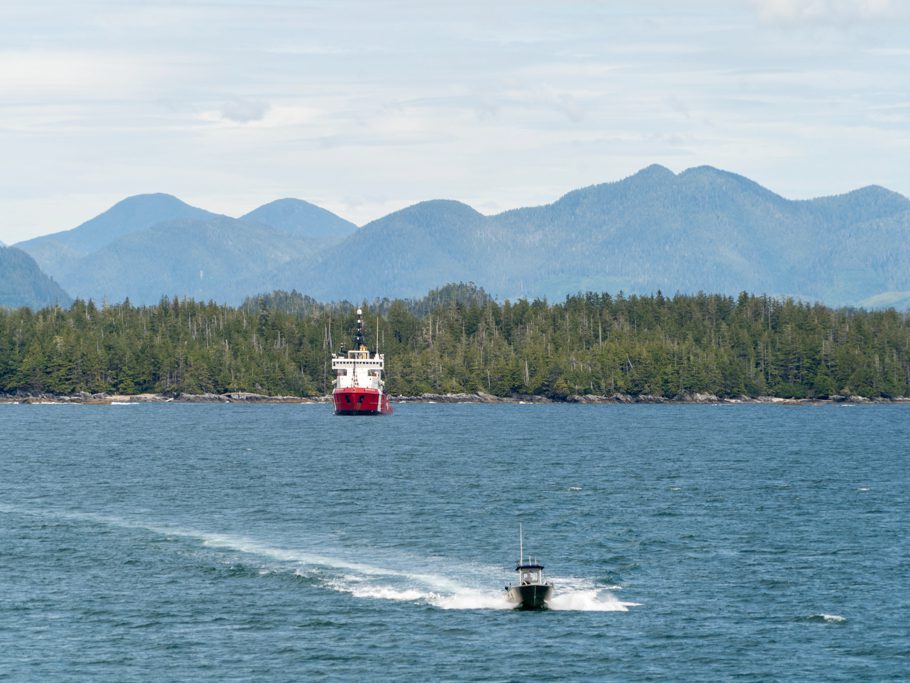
(302, 219)
(150, 246)
(22, 283)
(56, 253)
(218, 258)
(439, 241)
(868, 261)
(703, 229)
(54, 257)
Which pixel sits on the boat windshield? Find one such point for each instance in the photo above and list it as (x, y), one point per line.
(530, 575)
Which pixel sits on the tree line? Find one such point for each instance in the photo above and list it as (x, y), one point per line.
(457, 339)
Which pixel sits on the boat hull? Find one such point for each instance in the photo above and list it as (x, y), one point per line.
(357, 401)
(530, 596)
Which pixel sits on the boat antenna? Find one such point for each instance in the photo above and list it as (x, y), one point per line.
(521, 548)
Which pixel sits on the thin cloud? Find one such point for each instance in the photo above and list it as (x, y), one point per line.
(367, 106)
(795, 13)
(243, 111)
(70, 74)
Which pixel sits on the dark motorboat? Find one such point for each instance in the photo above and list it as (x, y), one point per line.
(532, 592)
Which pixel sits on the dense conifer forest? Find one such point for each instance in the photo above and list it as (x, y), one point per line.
(459, 340)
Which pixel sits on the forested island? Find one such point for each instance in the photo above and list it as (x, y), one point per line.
(458, 340)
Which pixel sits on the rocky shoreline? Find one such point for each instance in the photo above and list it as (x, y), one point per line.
(107, 399)
(481, 397)
(477, 397)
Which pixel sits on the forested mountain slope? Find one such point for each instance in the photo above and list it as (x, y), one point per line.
(23, 283)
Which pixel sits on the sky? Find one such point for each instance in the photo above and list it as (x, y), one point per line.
(365, 107)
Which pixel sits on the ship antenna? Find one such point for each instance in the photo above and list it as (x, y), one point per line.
(521, 548)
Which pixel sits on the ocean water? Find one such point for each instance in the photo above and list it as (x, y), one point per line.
(280, 542)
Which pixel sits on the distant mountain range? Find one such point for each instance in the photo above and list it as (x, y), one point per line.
(23, 283)
(149, 246)
(702, 229)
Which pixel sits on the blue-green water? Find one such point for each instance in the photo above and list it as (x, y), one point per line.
(228, 542)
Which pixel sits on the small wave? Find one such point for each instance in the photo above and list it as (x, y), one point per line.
(822, 618)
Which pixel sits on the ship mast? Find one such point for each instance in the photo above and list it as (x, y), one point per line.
(359, 344)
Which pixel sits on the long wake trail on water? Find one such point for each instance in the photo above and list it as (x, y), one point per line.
(470, 589)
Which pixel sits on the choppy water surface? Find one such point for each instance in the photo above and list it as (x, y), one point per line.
(227, 542)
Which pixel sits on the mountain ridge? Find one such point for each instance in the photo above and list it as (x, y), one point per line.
(142, 248)
(703, 229)
(301, 218)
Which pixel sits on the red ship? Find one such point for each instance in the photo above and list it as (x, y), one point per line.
(359, 387)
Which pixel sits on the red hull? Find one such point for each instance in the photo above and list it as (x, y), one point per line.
(355, 401)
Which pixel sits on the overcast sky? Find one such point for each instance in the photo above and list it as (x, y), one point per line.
(364, 107)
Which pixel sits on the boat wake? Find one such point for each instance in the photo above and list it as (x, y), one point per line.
(468, 591)
(475, 587)
(582, 597)
(572, 595)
